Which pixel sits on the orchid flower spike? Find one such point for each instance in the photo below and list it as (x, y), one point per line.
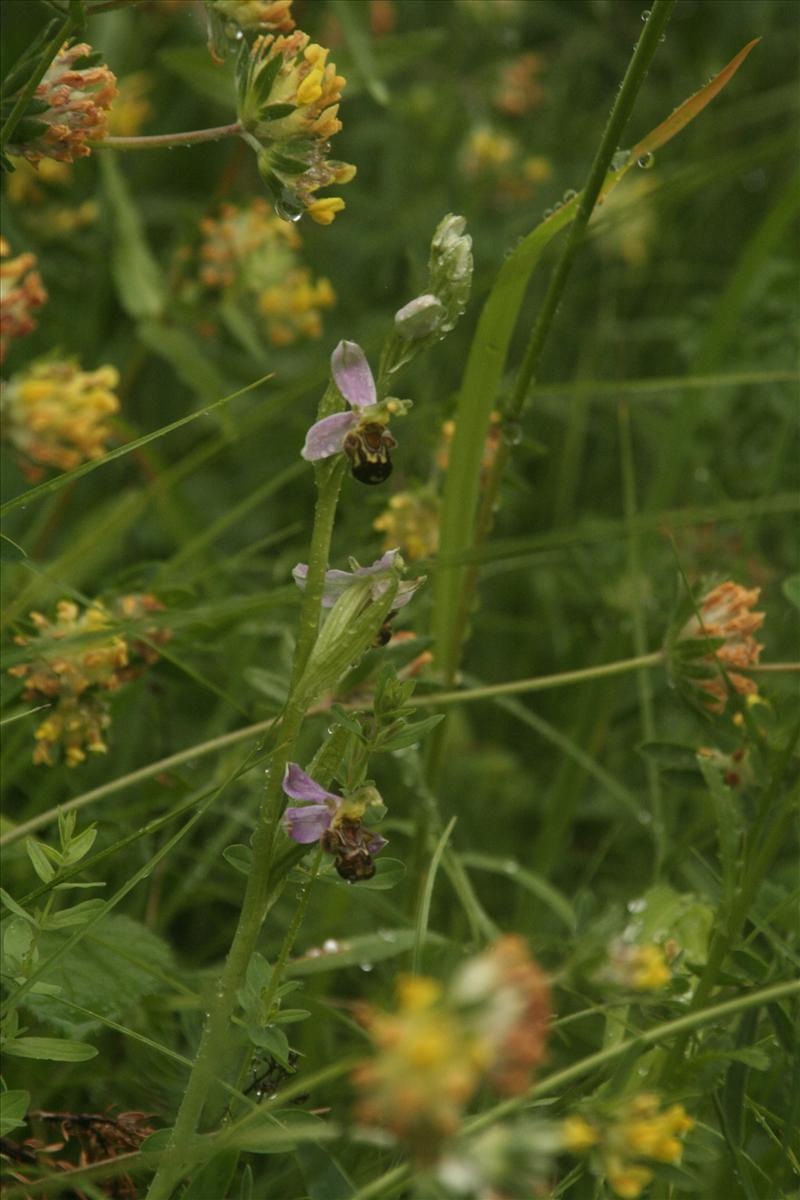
(333, 820)
(361, 433)
(383, 571)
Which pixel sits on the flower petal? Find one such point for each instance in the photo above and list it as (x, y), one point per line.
(300, 786)
(375, 843)
(307, 824)
(325, 437)
(352, 375)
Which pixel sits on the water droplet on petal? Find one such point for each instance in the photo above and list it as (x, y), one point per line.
(288, 207)
(366, 966)
(330, 945)
(646, 161)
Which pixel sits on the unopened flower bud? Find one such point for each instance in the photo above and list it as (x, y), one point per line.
(450, 268)
(420, 317)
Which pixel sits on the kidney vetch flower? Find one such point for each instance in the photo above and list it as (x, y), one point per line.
(713, 631)
(71, 106)
(288, 105)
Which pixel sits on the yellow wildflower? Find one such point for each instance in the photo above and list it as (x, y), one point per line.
(639, 1129)
(251, 253)
(441, 1044)
(288, 106)
(21, 291)
(78, 91)
(264, 15)
(35, 191)
(411, 522)
(643, 968)
(74, 678)
(56, 415)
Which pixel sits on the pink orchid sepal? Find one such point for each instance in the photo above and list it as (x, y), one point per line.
(383, 571)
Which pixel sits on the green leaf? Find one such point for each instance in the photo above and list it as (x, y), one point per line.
(55, 1049)
(78, 847)
(279, 1132)
(18, 943)
(137, 275)
(13, 907)
(117, 964)
(239, 857)
(271, 1039)
(13, 1106)
(39, 860)
(325, 1179)
(411, 734)
(352, 952)
(214, 1178)
(78, 914)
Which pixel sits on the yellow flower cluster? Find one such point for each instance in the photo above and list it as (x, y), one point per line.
(21, 291)
(288, 106)
(75, 678)
(35, 192)
(644, 968)
(440, 1046)
(518, 89)
(496, 159)
(411, 522)
(726, 612)
(640, 1130)
(78, 98)
(251, 252)
(56, 415)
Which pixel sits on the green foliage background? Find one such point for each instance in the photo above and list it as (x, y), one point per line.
(552, 784)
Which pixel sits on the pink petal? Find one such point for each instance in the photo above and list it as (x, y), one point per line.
(325, 437)
(352, 375)
(300, 786)
(306, 824)
(375, 843)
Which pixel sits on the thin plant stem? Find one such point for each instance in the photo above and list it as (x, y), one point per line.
(636, 584)
(763, 848)
(623, 106)
(166, 141)
(542, 683)
(214, 1039)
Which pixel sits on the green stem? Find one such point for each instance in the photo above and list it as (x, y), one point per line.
(25, 96)
(764, 848)
(213, 1048)
(537, 683)
(636, 583)
(166, 141)
(384, 1186)
(542, 683)
(623, 105)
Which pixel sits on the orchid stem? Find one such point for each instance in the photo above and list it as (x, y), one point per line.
(213, 1048)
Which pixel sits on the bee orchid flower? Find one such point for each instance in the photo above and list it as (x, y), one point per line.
(382, 570)
(333, 820)
(361, 433)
